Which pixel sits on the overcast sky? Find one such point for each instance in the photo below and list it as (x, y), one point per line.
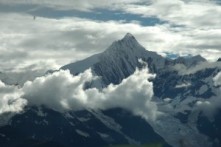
(46, 34)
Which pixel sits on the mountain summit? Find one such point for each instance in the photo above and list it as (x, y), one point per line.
(183, 100)
(129, 38)
(118, 61)
(128, 44)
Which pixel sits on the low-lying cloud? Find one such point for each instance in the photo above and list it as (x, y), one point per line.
(10, 102)
(217, 79)
(183, 70)
(61, 91)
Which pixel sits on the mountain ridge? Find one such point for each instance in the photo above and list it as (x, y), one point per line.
(175, 95)
(122, 55)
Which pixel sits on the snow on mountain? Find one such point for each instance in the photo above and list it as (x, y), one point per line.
(120, 60)
(102, 129)
(179, 98)
(80, 66)
(189, 61)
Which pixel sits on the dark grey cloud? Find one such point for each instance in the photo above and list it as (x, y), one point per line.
(9, 55)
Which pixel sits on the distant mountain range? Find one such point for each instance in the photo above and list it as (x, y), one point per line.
(180, 87)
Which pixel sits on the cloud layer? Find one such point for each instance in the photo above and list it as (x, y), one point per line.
(183, 28)
(10, 99)
(33, 46)
(63, 92)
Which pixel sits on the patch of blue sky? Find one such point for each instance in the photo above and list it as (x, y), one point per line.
(174, 56)
(96, 14)
(99, 14)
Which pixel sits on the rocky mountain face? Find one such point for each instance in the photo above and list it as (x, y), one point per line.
(178, 86)
(43, 127)
(120, 60)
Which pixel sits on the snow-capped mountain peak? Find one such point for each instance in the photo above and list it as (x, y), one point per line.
(178, 97)
(127, 44)
(129, 36)
(118, 61)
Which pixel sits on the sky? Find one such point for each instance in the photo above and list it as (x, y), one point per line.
(38, 35)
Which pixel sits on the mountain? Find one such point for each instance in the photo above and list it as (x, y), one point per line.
(42, 126)
(176, 95)
(190, 61)
(118, 61)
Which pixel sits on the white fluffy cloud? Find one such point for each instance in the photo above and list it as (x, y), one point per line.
(137, 99)
(57, 90)
(197, 22)
(62, 91)
(75, 39)
(58, 41)
(180, 12)
(28, 43)
(10, 99)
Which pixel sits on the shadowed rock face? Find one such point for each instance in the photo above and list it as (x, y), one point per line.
(120, 60)
(44, 127)
(40, 126)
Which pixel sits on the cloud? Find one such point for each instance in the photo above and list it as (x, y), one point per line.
(67, 39)
(217, 79)
(59, 41)
(137, 99)
(10, 102)
(75, 38)
(180, 12)
(83, 5)
(57, 89)
(189, 19)
(20, 77)
(183, 70)
(10, 99)
(62, 91)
